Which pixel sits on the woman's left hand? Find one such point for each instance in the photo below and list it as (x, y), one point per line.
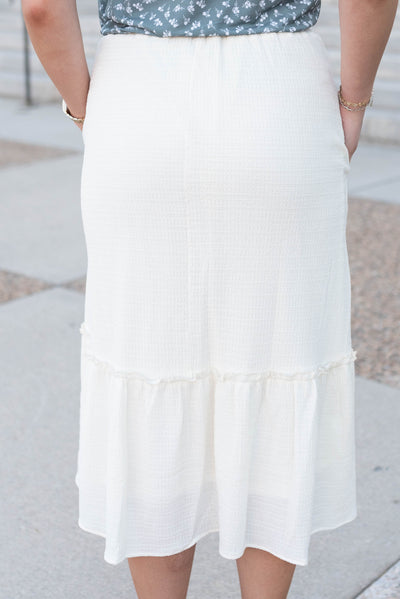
(352, 121)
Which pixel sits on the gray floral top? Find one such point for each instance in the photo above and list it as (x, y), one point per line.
(206, 17)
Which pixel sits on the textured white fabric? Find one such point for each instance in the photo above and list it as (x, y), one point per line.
(217, 366)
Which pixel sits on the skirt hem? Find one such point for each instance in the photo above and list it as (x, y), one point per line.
(299, 562)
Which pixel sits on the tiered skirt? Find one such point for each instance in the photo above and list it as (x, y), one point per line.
(217, 369)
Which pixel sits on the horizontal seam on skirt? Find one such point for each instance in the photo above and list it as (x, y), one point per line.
(221, 376)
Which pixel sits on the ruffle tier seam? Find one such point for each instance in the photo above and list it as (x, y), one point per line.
(221, 376)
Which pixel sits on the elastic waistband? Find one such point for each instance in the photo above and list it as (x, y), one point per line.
(267, 55)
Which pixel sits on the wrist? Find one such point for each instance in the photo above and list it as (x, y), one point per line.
(77, 111)
(353, 104)
(355, 93)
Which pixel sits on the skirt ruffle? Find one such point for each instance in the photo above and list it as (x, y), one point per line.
(265, 459)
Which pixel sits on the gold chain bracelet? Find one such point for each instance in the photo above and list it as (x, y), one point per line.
(355, 105)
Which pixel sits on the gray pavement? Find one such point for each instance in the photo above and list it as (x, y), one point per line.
(43, 553)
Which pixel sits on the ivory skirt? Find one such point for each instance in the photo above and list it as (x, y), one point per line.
(217, 368)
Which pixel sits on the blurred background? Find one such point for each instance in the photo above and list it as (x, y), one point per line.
(43, 553)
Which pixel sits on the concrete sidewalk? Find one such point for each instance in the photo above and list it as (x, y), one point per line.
(42, 270)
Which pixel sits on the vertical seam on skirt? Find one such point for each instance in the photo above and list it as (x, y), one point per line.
(187, 142)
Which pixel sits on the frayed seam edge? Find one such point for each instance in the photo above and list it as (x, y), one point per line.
(219, 376)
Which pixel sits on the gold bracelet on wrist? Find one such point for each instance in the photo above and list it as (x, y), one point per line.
(354, 106)
(77, 119)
